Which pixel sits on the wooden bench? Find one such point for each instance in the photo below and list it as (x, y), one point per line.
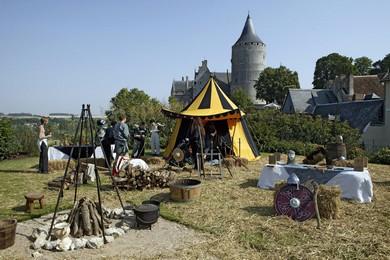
(31, 197)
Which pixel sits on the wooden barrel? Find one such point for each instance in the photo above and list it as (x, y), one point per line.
(185, 190)
(7, 233)
(335, 151)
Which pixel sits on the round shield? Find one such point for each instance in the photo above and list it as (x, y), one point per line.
(178, 154)
(298, 204)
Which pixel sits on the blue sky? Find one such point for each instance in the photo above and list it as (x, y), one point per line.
(56, 55)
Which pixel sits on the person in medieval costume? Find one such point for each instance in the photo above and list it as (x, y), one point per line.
(197, 138)
(107, 141)
(139, 134)
(100, 131)
(43, 146)
(212, 140)
(121, 135)
(155, 137)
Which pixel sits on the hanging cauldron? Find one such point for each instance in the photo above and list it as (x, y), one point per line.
(146, 215)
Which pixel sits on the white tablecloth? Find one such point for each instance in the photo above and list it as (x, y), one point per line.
(353, 184)
(55, 154)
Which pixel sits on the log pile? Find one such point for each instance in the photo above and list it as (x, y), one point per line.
(139, 179)
(69, 180)
(84, 219)
(56, 183)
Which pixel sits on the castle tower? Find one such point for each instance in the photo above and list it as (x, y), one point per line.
(248, 60)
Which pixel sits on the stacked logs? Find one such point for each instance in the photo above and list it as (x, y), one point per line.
(84, 219)
(139, 179)
(56, 183)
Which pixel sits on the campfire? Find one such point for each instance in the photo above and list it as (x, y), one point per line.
(85, 219)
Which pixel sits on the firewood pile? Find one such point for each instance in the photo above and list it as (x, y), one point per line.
(84, 219)
(139, 179)
(55, 184)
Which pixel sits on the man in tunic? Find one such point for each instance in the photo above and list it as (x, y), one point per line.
(139, 134)
(121, 135)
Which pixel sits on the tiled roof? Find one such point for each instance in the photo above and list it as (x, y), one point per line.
(358, 114)
(368, 85)
(304, 100)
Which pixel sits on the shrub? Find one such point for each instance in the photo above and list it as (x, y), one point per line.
(276, 131)
(382, 156)
(27, 140)
(8, 144)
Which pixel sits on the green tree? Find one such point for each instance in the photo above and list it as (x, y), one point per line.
(362, 66)
(139, 107)
(174, 104)
(241, 99)
(381, 66)
(328, 67)
(273, 84)
(8, 144)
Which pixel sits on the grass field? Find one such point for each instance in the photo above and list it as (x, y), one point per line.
(237, 216)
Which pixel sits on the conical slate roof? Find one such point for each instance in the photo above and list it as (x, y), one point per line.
(248, 33)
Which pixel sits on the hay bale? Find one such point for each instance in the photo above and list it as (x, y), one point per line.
(241, 161)
(329, 201)
(60, 165)
(244, 161)
(228, 162)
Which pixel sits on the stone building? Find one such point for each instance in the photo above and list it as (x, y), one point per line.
(248, 61)
(377, 135)
(362, 101)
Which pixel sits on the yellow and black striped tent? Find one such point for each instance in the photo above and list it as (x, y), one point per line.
(213, 105)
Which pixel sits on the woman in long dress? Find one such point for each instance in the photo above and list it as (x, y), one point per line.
(43, 146)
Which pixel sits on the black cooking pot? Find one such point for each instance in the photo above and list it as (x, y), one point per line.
(152, 201)
(146, 214)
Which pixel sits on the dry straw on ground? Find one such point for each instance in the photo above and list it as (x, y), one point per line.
(239, 218)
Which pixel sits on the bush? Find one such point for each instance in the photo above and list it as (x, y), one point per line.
(276, 131)
(382, 156)
(8, 144)
(27, 140)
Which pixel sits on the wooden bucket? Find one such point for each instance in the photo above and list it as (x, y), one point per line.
(185, 190)
(335, 151)
(7, 233)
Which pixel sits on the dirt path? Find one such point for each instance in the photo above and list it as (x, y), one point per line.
(164, 239)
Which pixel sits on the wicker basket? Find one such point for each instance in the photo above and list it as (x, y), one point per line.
(7, 233)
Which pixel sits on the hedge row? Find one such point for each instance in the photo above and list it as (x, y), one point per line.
(276, 131)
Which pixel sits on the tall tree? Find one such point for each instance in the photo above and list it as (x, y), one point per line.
(273, 84)
(328, 67)
(137, 105)
(362, 66)
(381, 66)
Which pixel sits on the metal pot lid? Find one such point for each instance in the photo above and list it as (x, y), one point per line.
(146, 208)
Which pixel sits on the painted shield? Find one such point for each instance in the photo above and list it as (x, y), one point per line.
(298, 204)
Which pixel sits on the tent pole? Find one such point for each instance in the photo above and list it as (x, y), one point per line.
(234, 132)
(201, 151)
